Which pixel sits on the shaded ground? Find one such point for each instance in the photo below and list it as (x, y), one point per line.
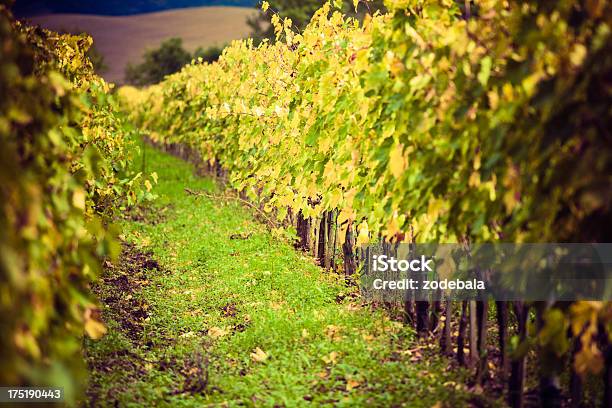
(199, 318)
(125, 311)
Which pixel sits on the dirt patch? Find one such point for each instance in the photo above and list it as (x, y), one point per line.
(120, 360)
(124, 307)
(123, 361)
(195, 373)
(229, 310)
(121, 287)
(125, 311)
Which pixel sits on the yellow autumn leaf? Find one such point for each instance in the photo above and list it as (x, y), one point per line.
(332, 358)
(346, 214)
(364, 234)
(350, 384)
(435, 208)
(584, 313)
(393, 226)
(578, 54)
(78, 198)
(474, 180)
(334, 198)
(322, 374)
(25, 341)
(367, 337)
(490, 186)
(589, 360)
(397, 161)
(276, 305)
(351, 307)
(258, 355)
(217, 332)
(329, 173)
(477, 161)
(510, 201)
(493, 99)
(94, 328)
(333, 332)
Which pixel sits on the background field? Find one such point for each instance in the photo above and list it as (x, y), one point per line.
(123, 39)
(114, 7)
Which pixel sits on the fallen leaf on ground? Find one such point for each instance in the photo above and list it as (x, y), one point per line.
(350, 384)
(93, 325)
(367, 337)
(333, 332)
(351, 307)
(322, 374)
(216, 332)
(332, 358)
(258, 355)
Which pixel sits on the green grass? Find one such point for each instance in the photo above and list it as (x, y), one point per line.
(216, 300)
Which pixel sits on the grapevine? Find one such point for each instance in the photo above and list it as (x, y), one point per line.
(427, 124)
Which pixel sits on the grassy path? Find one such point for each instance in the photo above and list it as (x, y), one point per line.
(197, 318)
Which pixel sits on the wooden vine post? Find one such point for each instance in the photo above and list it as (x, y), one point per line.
(517, 368)
(348, 251)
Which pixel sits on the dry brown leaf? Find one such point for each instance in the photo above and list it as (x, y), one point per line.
(93, 325)
(332, 358)
(322, 374)
(350, 384)
(333, 332)
(367, 337)
(351, 307)
(217, 332)
(258, 355)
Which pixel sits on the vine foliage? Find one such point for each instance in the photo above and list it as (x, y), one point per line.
(429, 123)
(64, 174)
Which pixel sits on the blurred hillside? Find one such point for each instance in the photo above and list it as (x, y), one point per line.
(29, 8)
(123, 39)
